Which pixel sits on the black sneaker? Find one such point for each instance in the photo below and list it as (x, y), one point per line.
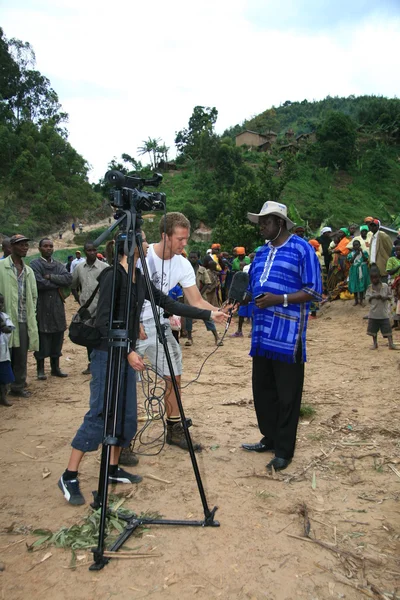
(122, 476)
(71, 491)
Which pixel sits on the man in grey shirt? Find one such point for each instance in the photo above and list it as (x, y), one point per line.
(84, 278)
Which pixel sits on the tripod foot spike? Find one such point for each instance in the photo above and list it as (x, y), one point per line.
(100, 561)
(209, 520)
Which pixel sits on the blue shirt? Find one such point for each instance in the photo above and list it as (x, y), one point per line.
(176, 292)
(279, 333)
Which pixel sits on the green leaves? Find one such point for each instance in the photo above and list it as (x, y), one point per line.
(78, 537)
(43, 178)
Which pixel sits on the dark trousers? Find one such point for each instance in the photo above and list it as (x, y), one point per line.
(50, 345)
(90, 434)
(19, 359)
(210, 325)
(277, 391)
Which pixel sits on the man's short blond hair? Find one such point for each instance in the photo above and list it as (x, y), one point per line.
(172, 220)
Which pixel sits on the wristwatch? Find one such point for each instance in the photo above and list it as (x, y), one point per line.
(285, 301)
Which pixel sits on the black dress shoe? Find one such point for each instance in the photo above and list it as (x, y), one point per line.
(278, 463)
(20, 393)
(258, 447)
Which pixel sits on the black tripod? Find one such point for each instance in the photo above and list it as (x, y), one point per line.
(130, 222)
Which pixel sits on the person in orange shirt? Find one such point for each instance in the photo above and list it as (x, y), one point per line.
(342, 250)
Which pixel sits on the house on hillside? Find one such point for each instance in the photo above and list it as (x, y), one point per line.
(250, 138)
(289, 135)
(167, 166)
(261, 141)
(306, 137)
(292, 148)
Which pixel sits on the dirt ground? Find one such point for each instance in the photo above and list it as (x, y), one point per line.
(342, 485)
(67, 240)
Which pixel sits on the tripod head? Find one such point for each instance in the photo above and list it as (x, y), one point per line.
(128, 194)
(129, 200)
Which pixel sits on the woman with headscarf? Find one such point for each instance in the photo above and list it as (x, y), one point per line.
(215, 250)
(339, 269)
(362, 238)
(240, 257)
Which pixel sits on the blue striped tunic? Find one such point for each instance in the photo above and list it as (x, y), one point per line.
(279, 332)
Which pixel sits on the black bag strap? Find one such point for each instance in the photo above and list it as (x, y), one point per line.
(90, 300)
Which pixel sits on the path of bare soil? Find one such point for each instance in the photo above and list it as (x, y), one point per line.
(341, 486)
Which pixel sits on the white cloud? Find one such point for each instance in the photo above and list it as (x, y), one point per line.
(126, 71)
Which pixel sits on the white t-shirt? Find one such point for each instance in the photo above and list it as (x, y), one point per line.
(5, 338)
(373, 247)
(76, 262)
(175, 270)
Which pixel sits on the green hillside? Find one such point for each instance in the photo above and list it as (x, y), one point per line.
(373, 112)
(349, 169)
(43, 180)
(349, 166)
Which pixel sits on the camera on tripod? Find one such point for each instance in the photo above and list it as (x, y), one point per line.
(127, 192)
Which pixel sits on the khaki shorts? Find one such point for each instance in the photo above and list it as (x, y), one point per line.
(154, 350)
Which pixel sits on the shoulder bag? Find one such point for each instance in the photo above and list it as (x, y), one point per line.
(82, 330)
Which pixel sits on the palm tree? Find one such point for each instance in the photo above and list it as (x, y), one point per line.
(163, 152)
(150, 147)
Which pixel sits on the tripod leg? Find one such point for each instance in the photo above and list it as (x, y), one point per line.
(209, 515)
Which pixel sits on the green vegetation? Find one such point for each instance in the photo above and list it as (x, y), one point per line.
(348, 168)
(349, 171)
(307, 411)
(376, 114)
(43, 180)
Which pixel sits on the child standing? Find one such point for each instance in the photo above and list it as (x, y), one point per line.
(314, 306)
(6, 374)
(245, 310)
(358, 276)
(378, 296)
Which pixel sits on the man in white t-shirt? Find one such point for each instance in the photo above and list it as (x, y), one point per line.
(77, 261)
(165, 262)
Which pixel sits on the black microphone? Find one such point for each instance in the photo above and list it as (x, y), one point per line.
(237, 291)
(239, 285)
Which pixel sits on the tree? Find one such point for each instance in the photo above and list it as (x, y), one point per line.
(43, 179)
(337, 139)
(33, 98)
(163, 152)
(150, 147)
(266, 121)
(9, 70)
(132, 161)
(198, 139)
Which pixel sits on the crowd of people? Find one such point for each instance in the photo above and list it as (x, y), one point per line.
(289, 278)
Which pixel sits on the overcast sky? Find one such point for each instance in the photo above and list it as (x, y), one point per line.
(127, 70)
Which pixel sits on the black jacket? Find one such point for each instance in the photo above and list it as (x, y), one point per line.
(50, 310)
(139, 295)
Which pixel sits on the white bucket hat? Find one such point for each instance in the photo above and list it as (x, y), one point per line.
(272, 208)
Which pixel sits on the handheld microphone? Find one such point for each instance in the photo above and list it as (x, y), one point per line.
(237, 292)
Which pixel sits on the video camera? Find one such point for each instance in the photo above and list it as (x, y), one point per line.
(128, 191)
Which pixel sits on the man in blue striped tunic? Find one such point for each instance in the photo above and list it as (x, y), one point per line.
(284, 277)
